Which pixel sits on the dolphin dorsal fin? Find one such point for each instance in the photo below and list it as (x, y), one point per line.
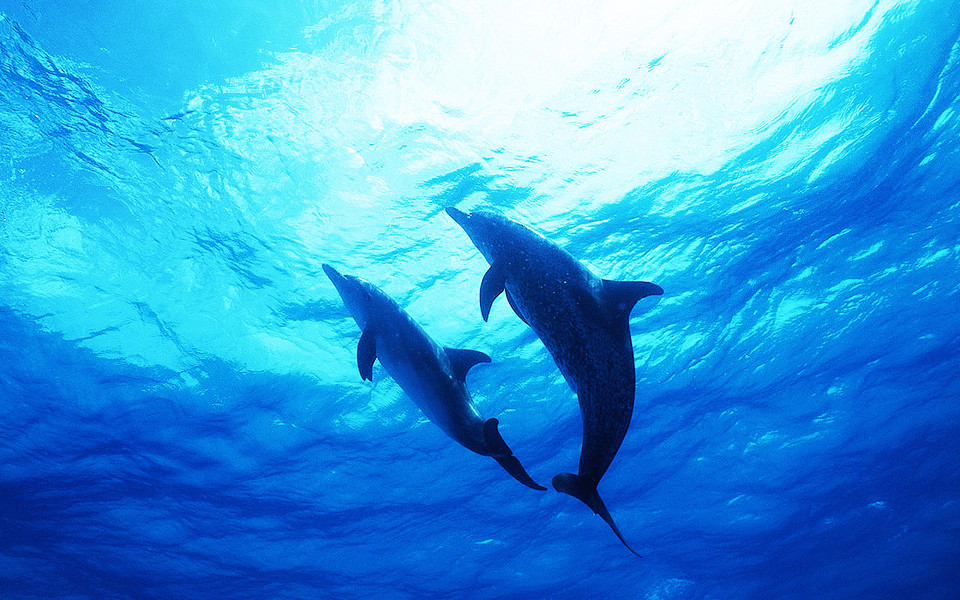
(491, 287)
(461, 360)
(621, 296)
(367, 353)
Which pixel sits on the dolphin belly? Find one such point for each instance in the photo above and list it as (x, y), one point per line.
(597, 363)
(417, 368)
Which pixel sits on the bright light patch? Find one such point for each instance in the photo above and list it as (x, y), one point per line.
(631, 90)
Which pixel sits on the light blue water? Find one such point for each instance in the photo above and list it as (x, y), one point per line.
(181, 414)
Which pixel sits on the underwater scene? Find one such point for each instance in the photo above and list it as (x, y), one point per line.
(406, 299)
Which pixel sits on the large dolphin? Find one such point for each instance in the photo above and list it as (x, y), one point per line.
(584, 323)
(431, 375)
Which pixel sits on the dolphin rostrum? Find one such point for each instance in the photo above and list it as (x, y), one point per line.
(431, 375)
(584, 323)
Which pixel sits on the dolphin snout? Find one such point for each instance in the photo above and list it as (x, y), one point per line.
(340, 281)
(458, 215)
(332, 273)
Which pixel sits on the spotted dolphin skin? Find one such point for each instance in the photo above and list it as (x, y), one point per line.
(431, 375)
(584, 323)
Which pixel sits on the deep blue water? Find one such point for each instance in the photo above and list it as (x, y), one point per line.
(181, 414)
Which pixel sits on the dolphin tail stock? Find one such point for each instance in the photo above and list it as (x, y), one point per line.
(503, 455)
(585, 490)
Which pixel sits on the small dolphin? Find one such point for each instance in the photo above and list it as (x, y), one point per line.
(584, 323)
(431, 375)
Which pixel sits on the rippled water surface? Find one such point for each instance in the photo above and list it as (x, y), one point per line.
(181, 414)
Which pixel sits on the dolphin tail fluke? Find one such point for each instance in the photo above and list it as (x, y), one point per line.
(585, 490)
(503, 455)
(512, 465)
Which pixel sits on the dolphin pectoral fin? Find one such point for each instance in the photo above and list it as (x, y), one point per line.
(621, 296)
(491, 287)
(367, 353)
(461, 360)
(513, 305)
(586, 491)
(503, 455)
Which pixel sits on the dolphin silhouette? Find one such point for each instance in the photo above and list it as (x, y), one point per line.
(431, 375)
(584, 323)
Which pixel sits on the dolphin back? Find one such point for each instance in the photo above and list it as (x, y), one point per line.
(585, 490)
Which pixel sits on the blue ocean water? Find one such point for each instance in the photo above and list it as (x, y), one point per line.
(181, 414)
